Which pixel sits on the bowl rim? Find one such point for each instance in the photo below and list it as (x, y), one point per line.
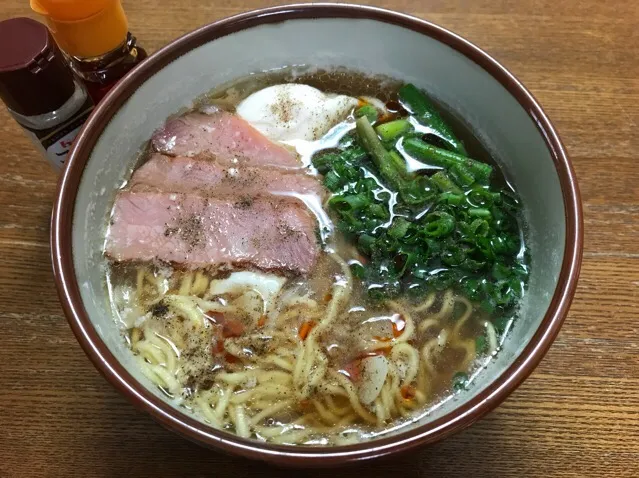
(189, 427)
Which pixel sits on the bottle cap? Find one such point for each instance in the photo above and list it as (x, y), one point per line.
(34, 76)
(85, 28)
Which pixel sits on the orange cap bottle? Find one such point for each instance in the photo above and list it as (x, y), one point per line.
(85, 28)
(95, 35)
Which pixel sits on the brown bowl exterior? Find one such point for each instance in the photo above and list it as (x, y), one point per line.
(461, 417)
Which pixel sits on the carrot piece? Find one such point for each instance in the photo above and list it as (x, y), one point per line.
(261, 322)
(214, 316)
(408, 392)
(399, 324)
(232, 328)
(218, 346)
(231, 358)
(305, 329)
(353, 370)
(379, 338)
(328, 297)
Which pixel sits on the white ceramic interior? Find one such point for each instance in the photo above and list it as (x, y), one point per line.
(452, 78)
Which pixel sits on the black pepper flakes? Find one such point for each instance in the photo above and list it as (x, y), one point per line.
(159, 310)
(188, 228)
(245, 202)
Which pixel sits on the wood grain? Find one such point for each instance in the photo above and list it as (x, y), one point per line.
(577, 415)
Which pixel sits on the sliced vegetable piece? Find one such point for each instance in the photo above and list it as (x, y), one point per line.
(418, 104)
(438, 224)
(367, 110)
(232, 328)
(399, 228)
(381, 158)
(481, 345)
(454, 199)
(305, 329)
(393, 129)
(408, 392)
(462, 175)
(460, 381)
(349, 203)
(442, 158)
(366, 243)
(444, 183)
(332, 181)
(373, 375)
(354, 370)
(479, 212)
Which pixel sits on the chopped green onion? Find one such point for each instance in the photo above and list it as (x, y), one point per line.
(479, 212)
(323, 161)
(483, 245)
(358, 270)
(460, 381)
(332, 181)
(482, 197)
(461, 175)
(399, 228)
(415, 192)
(438, 224)
(453, 256)
(473, 265)
(366, 243)
(442, 158)
(501, 324)
(382, 158)
(500, 271)
(417, 104)
(479, 227)
(452, 229)
(393, 129)
(377, 210)
(481, 345)
(399, 164)
(369, 111)
(444, 183)
(451, 198)
(348, 203)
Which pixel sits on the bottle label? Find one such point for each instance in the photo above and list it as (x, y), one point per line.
(57, 142)
(58, 151)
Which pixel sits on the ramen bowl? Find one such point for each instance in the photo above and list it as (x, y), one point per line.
(495, 107)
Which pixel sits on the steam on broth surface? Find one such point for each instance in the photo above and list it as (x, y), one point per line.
(314, 258)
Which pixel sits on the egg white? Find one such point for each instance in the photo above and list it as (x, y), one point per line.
(294, 112)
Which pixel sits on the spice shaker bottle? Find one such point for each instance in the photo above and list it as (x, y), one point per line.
(39, 89)
(95, 36)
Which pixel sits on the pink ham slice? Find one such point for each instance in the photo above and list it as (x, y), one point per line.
(223, 135)
(197, 231)
(187, 175)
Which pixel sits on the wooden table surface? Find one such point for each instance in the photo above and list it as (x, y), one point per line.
(577, 415)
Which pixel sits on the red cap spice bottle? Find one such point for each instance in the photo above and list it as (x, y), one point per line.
(39, 88)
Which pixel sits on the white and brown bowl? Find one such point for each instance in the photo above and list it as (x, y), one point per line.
(494, 104)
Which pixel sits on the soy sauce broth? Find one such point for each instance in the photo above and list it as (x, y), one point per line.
(171, 319)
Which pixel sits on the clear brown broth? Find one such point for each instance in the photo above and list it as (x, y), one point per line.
(345, 342)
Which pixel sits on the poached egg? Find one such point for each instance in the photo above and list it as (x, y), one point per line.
(294, 112)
